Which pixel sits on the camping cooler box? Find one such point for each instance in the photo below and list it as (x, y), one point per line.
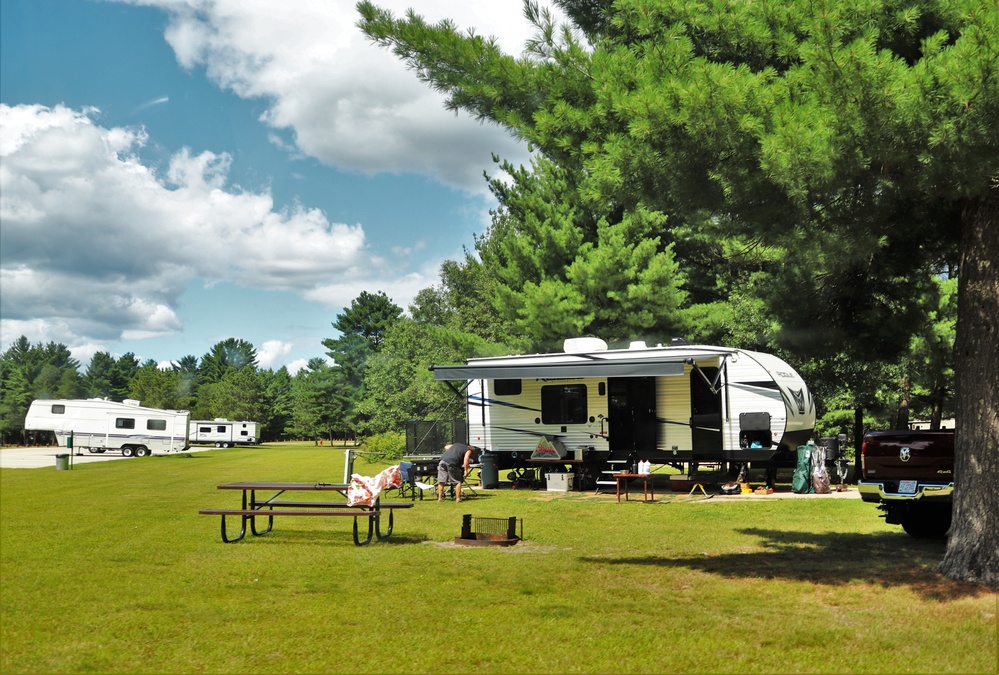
(559, 482)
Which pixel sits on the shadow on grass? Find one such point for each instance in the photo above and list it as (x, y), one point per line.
(884, 559)
(328, 538)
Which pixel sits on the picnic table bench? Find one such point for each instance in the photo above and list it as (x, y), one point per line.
(253, 508)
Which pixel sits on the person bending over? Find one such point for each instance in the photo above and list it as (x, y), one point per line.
(453, 468)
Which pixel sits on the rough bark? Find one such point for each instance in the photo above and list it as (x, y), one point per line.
(973, 547)
(902, 417)
(858, 440)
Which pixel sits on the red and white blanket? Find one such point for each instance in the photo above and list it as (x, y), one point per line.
(364, 490)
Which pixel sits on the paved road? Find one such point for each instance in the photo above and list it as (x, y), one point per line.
(37, 458)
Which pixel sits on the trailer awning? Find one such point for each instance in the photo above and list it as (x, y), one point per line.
(589, 368)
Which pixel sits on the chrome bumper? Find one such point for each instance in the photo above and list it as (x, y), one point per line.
(873, 492)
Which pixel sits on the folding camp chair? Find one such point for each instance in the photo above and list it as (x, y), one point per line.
(411, 487)
(467, 485)
(467, 489)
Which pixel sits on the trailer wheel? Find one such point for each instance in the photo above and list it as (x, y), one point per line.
(217, 444)
(141, 451)
(126, 451)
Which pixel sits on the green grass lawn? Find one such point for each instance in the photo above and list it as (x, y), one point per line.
(109, 568)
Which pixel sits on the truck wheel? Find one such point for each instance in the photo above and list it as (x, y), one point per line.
(126, 451)
(927, 523)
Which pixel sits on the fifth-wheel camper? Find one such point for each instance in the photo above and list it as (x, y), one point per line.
(224, 433)
(100, 425)
(679, 405)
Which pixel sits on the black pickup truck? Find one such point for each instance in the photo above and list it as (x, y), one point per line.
(910, 475)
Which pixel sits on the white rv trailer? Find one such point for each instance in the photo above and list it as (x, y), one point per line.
(224, 433)
(100, 425)
(676, 405)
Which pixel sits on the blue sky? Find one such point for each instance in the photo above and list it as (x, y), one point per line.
(177, 172)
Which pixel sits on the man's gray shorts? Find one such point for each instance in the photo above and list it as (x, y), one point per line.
(449, 473)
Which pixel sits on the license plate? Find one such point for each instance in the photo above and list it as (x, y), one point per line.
(907, 487)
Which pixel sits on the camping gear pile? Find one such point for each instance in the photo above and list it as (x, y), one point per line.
(810, 475)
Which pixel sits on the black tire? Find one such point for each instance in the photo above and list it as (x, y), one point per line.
(217, 444)
(927, 523)
(141, 451)
(127, 451)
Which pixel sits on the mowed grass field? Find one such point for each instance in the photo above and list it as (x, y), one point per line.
(109, 568)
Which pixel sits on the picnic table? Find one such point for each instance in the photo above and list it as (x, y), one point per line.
(254, 507)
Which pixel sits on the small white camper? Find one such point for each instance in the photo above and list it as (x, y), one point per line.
(100, 425)
(223, 433)
(677, 405)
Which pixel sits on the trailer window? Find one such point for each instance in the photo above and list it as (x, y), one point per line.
(244, 433)
(221, 430)
(204, 430)
(58, 409)
(507, 387)
(563, 404)
(156, 425)
(124, 423)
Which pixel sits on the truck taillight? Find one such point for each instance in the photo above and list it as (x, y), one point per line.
(863, 457)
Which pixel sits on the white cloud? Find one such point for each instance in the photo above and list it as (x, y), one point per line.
(97, 247)
(149, 104)
(346, 101)
(272, 354)
(401, 289)
(297, 365)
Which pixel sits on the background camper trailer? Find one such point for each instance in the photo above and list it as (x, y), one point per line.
(99, 426)
(608, 409)
(223, 433)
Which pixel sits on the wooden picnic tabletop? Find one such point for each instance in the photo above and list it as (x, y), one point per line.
(335, 487)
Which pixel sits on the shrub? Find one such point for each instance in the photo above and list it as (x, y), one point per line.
(390, 445)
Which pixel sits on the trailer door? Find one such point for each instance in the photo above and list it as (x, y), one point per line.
(631, 407)
(705, 416)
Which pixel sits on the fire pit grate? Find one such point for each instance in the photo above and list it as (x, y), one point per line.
(489, 531)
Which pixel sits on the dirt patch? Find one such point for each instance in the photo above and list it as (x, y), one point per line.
(520, 547)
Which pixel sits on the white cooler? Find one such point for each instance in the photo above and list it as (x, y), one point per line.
(559, 482)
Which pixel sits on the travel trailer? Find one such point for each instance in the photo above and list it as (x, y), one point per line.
(680, 405)
(223, 433)
(100, 425)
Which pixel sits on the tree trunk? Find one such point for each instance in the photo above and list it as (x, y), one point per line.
(902, 416)
(858, 440)
(937, 410)
(973, 548)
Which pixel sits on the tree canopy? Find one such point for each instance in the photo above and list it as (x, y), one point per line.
(857, 137)
(369, 316)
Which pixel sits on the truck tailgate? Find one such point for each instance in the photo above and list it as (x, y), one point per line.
(923, 455)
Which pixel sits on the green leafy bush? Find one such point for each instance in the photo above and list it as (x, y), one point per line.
(390, 445)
